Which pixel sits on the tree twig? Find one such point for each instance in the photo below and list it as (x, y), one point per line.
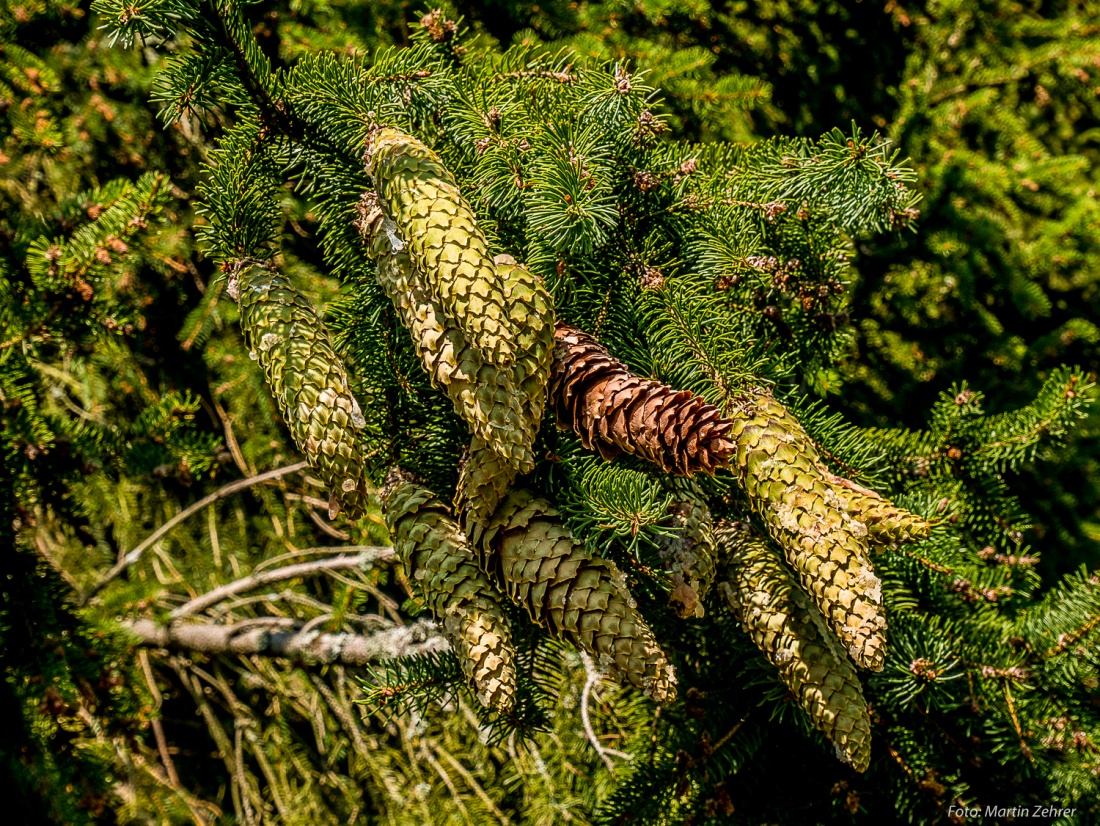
(134, 555)
(363, 559)
(592, 676)
(292, 644)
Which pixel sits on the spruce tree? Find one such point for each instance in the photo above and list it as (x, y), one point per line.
(699, 293)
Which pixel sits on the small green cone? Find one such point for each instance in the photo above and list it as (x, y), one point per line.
(307, 379)
(792, 635)
(460, 596)
(578, 597)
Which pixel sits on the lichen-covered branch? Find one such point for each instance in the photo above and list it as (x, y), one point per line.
(250, 638)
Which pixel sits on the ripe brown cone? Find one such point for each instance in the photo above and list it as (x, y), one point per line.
(614, 411)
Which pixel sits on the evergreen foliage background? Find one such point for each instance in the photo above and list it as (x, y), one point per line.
(127, 395)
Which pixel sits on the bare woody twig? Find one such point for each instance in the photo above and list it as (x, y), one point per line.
(134, 555)
(363, 559)
(593, 676)
(292, 644)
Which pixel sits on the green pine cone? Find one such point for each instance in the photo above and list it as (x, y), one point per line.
(578, 597)
(460, 596)
(531, 312)
(307, 379)
(824, 543)
(483, 395)
(503, 406)
(692, 555)
(482, 482)
(887, 524)
(445, 244)
(792, 635)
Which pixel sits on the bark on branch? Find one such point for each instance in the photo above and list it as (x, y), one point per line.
(295, 644)
(363, 559)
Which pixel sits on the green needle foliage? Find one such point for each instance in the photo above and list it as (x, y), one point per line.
(996, 106)
(720, 268)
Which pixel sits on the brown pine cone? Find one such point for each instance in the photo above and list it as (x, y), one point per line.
(614, 411)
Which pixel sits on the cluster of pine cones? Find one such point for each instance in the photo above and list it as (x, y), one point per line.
(485, 332)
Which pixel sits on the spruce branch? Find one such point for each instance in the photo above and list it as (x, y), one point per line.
(592, 677)
(133, 556)
(822, 522)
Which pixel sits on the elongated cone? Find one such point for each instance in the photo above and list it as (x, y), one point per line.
(460, 596)
(614, 411)
(484, 395)
(307, 379)
(691, 556)
(816, 517)
(792, 635)
(887, 524)
(531, 312)
(445, 244)
(578, 597)
(824, 543)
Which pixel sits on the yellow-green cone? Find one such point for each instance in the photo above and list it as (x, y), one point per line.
(420, 196)
(502, 405)
(532, 315)
(460, 596)
(824, 543)
(792, 635)
(483, 394)
(887, 524)
(692, 555)
(307, 379)
(482, 481)
(578, 597)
